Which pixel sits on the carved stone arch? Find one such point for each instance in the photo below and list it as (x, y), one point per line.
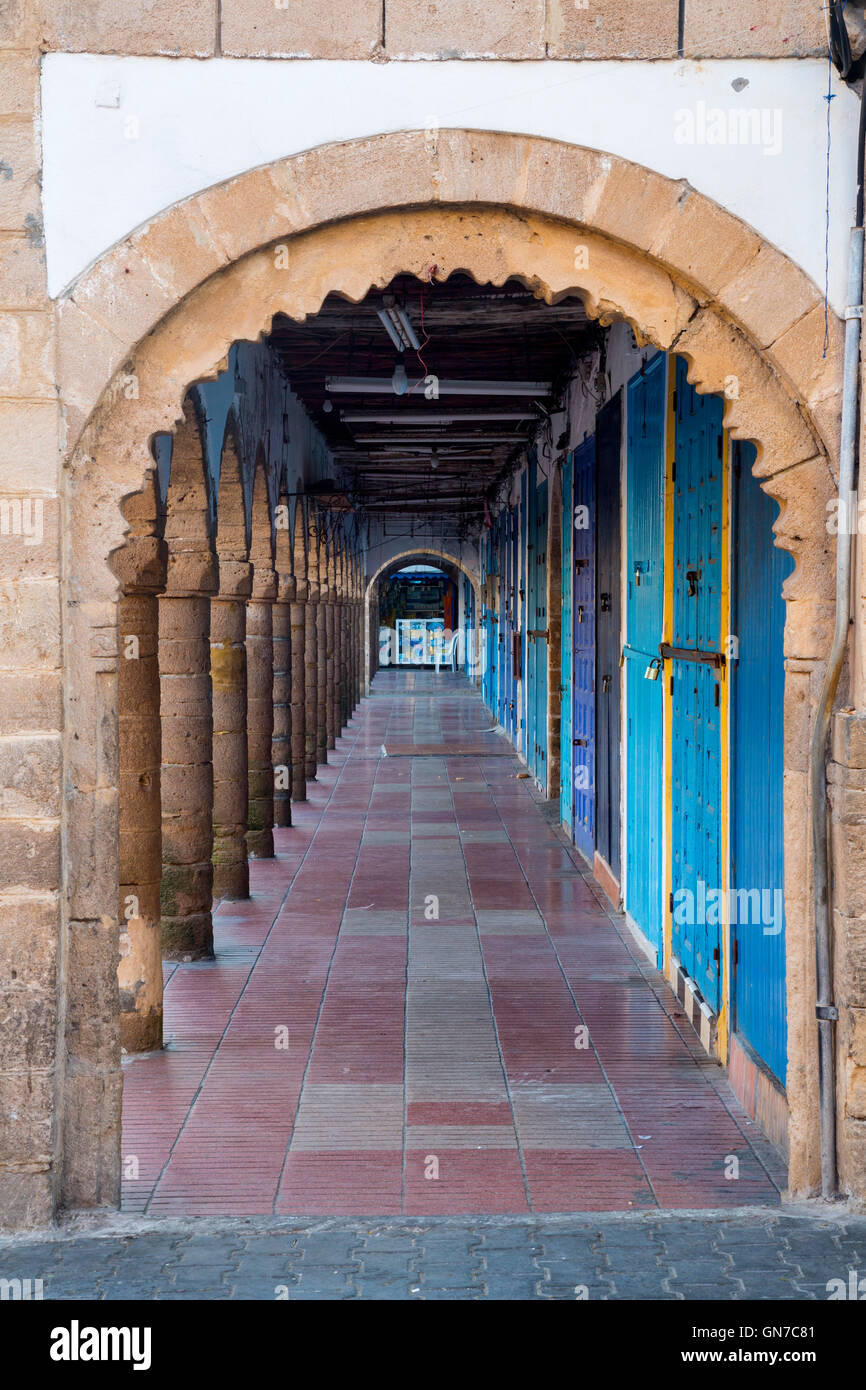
(689, 277)
(417, 556)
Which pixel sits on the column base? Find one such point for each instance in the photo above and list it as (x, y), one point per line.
(188, 938)
(141, 1032)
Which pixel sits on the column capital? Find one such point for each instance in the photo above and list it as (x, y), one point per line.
(191, 574)
(264, 586)
(235, 579)
(287, 588)
(141, 565)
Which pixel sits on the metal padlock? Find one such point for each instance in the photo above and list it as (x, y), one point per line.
(654, 670)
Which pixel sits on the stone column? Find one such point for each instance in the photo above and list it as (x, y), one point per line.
(311, 675)
(281, 743)
(332, 727)
(187, 756)
(311, 682)
(322, 683)
(350, 636)
(228, 664)
(340, 629)
(260, 713)
(299, 694)
(139, 972)
(350, 639)
(358, 633)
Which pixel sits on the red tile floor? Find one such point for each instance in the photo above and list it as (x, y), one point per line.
(393, 1021)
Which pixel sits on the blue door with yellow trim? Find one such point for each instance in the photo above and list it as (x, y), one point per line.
(696, 686)
(644, 724)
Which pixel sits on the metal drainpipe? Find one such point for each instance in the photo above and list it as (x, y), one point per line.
(825, 1010)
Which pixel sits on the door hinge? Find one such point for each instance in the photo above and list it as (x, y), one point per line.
(670, 902)
(735, 951)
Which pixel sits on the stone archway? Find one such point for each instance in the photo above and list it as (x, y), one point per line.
(163, 308)
(419, 556)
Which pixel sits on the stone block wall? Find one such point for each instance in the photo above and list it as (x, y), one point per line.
(438, 29)
(32, 958)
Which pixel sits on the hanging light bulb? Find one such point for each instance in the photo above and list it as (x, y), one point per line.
(399, 380)
(434, 460)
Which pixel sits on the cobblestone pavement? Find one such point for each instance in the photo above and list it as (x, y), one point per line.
(753, 1253)
(426, 984)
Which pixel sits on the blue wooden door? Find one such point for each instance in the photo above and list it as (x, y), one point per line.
(501, 613)
(757, 840)
(514, 624)
(583, 647)
(469, 628)
(696, 715)
(539, 625)
(506, 623)
(645, 539)
(490, 635)
(566, 793)
(608, 646)
(524, 743)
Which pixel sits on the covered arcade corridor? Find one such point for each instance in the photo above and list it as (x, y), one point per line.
(458, 1025)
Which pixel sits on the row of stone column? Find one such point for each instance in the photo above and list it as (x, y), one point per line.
(234, 682)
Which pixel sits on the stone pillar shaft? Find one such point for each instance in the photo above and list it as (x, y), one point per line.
(311, 683)
(187, 776)
(229, 682)
(299, 707)
(260, 727)
(332, 726)
(341, 664)
(322, 682)
(281, 745)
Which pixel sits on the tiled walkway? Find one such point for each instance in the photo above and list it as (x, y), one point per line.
(425, 1009)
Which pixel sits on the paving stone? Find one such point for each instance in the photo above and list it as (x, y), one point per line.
(463, 1294)
(698, 1270)
(478, 1012)
(385, 1265)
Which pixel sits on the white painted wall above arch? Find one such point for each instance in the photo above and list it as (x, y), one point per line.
(124, 138)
